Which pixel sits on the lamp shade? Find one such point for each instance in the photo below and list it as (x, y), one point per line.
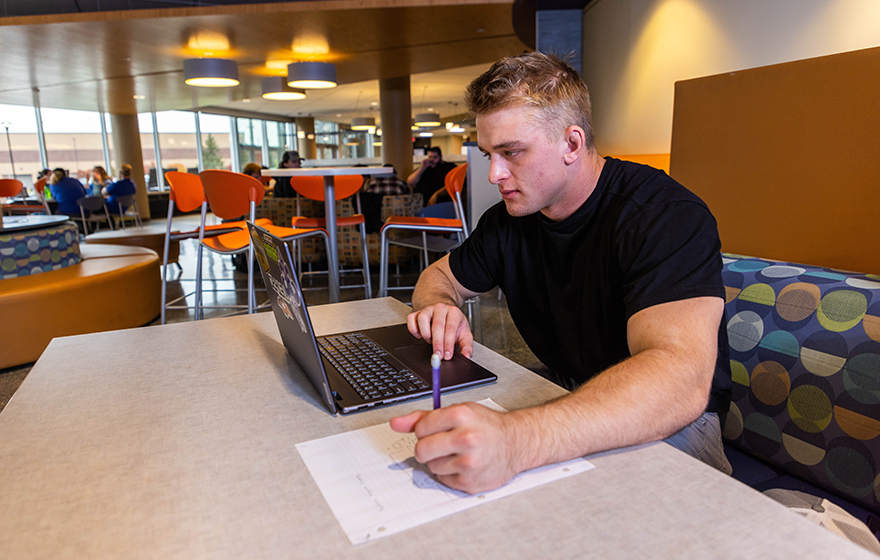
(276, 88)
(210, 72)
(311, 75)
(363, 123)
(427, 119)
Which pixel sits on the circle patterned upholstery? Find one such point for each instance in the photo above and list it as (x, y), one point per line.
(805, 362)
(35, 251)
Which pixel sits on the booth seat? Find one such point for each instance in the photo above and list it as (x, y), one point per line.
(282, 210)
(112, 287)
(151, 236)
(805, 360)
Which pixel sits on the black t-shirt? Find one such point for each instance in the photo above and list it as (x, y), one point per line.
(639, 240)
(433, 179)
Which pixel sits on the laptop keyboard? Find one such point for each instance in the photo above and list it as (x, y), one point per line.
(361, 362)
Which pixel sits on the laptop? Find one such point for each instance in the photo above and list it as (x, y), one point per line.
(355, 370)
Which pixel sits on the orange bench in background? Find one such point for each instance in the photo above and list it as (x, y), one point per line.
(113, 287)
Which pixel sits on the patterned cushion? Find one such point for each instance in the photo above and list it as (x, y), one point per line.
(805, 359)
(282, 210)
(31, 252)
(350, 241)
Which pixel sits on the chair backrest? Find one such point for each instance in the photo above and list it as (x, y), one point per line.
(91, 203)
(230, 194)
(127, 200)
(454, 184)
(186, 190)
(10, 187)
(455, 180)
(312, 187)
(40, 185)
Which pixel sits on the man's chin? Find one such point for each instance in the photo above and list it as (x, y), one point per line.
(517, 210)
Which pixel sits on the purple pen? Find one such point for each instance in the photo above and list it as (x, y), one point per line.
(435, 378)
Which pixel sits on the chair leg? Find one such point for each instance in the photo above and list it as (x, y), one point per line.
(366, 267)
(198, 308)
(252, 296)
(383, 258)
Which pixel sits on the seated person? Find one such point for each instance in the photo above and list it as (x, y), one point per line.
(290, 160)
(66, 190)
(255, 170)
(99, 180)
(612, 273)
(430, 176)
(123, 187)
(375, 189)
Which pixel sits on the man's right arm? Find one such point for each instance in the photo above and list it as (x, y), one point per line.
(414, 177)
(437, 318)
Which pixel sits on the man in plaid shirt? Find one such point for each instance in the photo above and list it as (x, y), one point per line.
(387, 185)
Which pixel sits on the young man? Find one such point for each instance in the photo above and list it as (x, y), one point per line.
(612, 274)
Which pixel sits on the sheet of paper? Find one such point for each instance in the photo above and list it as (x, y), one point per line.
(376, 488)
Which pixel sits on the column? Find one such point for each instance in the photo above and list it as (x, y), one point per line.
(127, 149)
(307, 147)
(560, 32)
(396, 112)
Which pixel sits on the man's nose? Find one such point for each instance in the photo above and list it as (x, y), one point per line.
(497, 171)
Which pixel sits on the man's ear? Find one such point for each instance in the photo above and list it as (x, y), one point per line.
(575, 142)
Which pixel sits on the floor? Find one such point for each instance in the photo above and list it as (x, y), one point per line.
(494, 326)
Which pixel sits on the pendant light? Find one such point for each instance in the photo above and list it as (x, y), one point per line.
(276, 89)
(210, 72)
(311, 75)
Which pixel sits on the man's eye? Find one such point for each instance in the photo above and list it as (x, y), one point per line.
(485, 155)
(510, 153)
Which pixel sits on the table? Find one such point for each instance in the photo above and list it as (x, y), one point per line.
(328, 173)
(25, 223)
(177, 441)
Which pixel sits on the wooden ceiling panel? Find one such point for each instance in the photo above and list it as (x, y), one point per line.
(103, 60)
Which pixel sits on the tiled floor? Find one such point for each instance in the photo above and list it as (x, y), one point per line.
(498, 331)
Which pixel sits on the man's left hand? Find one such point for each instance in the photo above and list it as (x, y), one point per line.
(468, 446)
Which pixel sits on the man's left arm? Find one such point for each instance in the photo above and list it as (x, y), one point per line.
(659, 390)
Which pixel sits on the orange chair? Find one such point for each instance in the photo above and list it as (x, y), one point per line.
(186, 194)
(230, 195)
(8, 189)
(454, 183)
(345, 186)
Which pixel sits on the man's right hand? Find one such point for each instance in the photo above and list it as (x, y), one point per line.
(443, 326)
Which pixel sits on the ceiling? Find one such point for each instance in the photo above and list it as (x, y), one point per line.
(130, 62)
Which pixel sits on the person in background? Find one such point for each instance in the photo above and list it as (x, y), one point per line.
(253, 169)
(290, 160)
(100, 179)
(430, 176)
(123, 187)
(66, 191)
(375, 189)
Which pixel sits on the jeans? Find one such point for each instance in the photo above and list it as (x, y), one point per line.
(702, 439)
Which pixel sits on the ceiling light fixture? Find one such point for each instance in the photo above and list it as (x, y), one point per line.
(426, 134)
(276, 89)
(425, 120)
(311, 75)
(210, 72)
(363, 123)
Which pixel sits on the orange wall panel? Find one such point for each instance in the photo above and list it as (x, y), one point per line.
(788, 158)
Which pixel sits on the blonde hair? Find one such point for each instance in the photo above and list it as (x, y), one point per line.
(539, 81)
(57, 175)
(101, 173)
(125, 171)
